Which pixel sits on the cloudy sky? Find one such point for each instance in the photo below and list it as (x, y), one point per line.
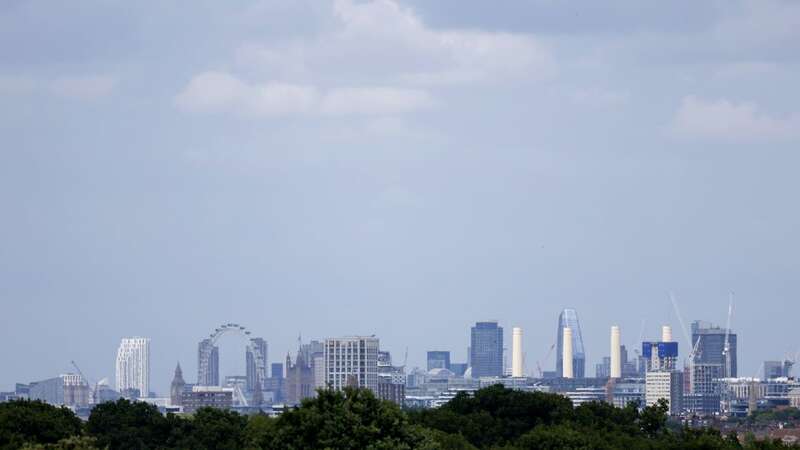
(391, 167)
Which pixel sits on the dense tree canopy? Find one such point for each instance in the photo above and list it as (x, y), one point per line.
(492, 418)
(35, 422)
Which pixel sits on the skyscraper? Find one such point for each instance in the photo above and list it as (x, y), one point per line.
(256, 361)
(438, 360)
(569, 319)
(133, 365)
(486, 349)
(352, 361)
(711, 348)
(207, 372)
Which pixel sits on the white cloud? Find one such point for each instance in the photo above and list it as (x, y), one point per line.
(223, 92)
(83, 87)
(723, 119)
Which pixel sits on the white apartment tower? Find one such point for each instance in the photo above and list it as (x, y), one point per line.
(133, 365)
(352, 361)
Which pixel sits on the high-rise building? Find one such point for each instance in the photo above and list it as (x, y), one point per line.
(256, 362)
(777, 369)
(133, 365)
(569, 319)
(486, 347)
(176, 387)
(277, 370)
(352, 361)
(438, 360)
(710, 349)
(208, 371)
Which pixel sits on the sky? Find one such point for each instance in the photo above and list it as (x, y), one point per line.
(399, 168)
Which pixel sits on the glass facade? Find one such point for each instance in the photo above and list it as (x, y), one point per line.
(569, 318)
(486, 350)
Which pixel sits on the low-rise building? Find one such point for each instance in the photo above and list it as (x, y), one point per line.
(207, 396)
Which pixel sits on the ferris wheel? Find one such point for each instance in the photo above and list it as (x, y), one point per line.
(252, 346)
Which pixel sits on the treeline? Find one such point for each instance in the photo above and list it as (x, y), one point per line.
(494, 418)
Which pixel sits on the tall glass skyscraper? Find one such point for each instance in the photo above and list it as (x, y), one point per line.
(486, 350)
(569, 318)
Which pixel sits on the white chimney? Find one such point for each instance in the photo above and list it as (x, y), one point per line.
(516, 353)
(666, 333)
(616, 356)
(567, 355)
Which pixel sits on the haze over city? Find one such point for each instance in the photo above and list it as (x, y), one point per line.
(396, 168)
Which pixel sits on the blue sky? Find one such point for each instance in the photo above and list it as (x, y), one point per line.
(398, 168)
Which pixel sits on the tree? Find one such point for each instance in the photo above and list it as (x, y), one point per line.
(349, 419)
(495, 415)
(260, 431)
(128, 425)
(654, 417)
(217, 429)
(35, 422)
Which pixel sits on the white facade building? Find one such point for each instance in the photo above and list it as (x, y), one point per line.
(133, 365)
(352, 361)
(666, 385)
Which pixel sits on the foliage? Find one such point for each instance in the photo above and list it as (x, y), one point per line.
(128, 425)
(35, 422)
(495, 415)
(492, 418)
(350, 419)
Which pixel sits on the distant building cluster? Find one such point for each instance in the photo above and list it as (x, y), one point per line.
(702, 381)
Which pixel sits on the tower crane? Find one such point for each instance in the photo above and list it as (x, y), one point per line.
(88, 383)
(539, 365)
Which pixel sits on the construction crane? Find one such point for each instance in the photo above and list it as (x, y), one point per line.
(726, 349)
(683, 325)
(539, 365)
(88, 383)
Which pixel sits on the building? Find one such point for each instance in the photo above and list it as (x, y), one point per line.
(256, 363)
(352, 361)
(391, 388)
(603, 369)
(628, 390)
(207, 363)
(794, 397)
(67, 389)
(299, 381)
(569, 319)
(660, 356)
(666, 385)
(438, 360)
(710, 349)
(133, 365)
(276, 370)
(486, 349)
(207, 396)
(177, 387)
(777, 369)
(586, 395)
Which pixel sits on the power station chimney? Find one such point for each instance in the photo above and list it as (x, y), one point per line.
(616, 356)
(516, 353)
(567, 354)
(666, 333)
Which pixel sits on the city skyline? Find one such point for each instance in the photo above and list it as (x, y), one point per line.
(402, 168)
(529, 366)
